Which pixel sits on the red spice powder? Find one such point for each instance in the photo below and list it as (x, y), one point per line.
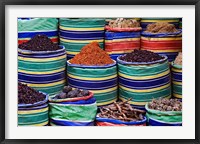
(92, 54)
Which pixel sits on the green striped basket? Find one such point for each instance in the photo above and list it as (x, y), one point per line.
(33, 114)
(78, 32)
(176, 71)
(43, 70)
(143, 81)
(101, 80)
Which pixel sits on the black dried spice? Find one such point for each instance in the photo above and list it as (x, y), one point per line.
(39, 43)
(164, 104)
(141, 56)
(68, 92)
(27, 95)
(121, 111)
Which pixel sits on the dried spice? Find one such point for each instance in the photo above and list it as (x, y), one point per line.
(164, 104)
(68, 92)
(122, 111)
(161, 27)
(123, 23)
(39, 43)
(92, 54)
(141, 56)
(27, 95)
(178, 60)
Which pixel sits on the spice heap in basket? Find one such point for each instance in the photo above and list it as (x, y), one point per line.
(27, 95)
(166, 105)
(123, 23)
(141, 56)
(39, 43)
(69, 93)
(178, 60)
(92, 54)
(121, 111)
(161, 27)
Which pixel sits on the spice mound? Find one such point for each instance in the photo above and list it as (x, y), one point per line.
(39, 43)
(67, 92)
(27, 95)
(141, 56)
(161, 27)
(164, 104)
(121, 111)
(123, 23)
(92, 55)
(178, 60)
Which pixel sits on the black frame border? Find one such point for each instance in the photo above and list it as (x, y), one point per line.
(3, 3)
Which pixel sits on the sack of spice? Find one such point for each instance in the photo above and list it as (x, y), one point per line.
(72, 107)
(92, 69)
(29, 27)
(120, 114)
(176, 71)
(41, 64)
(164, 112)
(146, 21)
(143, 75)
(162, 38)
(122, 36)
(32, 106)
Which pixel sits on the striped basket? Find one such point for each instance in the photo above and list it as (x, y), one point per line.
(180, 23)
(29, 27)
(77, 32)
(121, 41)
(145, 21)
(70, 112)
(176, 71)
(43, 70)
(143, 81)
(163, 118)
(168, 44)
(101, 80)
(33, 114)
(113, 122)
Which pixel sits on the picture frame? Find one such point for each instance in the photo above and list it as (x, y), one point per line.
(99, 2)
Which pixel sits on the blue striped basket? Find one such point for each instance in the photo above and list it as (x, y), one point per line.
(143, 81)
(78, 32)
(42, 70)
(33, 114)
(176, 72)
(101, 80)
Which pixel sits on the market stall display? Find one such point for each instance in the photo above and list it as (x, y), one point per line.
(176, 71)
(29, 27)
(41, 64)
(120, 114)
(122, 36)
(77, 32)
(164, 112)
(74, 110)
(162, 38)
(92, 69)
(143, 76)
(32, 106)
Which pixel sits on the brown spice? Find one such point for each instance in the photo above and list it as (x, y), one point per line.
(161, 27)
(178, 60)
(91, 54)
(124, 23)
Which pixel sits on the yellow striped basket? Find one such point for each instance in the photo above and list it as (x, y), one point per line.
(143, 81)
(101, 80)
(43, 70)
(33, 114)
(176, 71)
